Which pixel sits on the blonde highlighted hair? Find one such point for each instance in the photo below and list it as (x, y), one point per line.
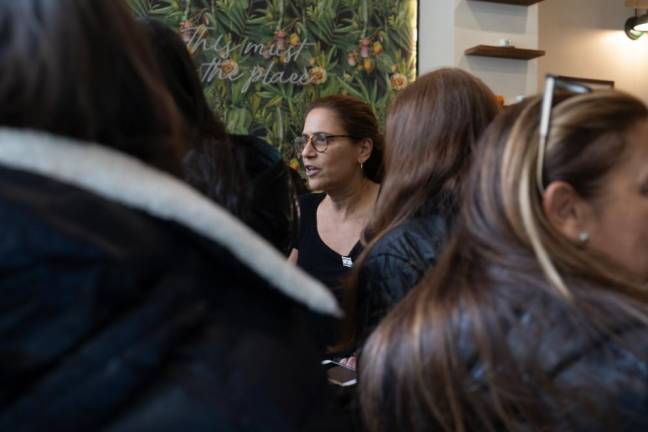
(587, 139)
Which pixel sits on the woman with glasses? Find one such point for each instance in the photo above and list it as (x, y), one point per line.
(341, 152)
(432, 129)
(536, 315)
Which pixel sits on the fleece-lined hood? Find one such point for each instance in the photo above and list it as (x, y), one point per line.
(126, 180)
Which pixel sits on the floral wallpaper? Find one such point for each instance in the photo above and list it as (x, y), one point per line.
(263, 61)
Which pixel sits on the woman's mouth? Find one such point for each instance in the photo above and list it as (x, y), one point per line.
(311, 170)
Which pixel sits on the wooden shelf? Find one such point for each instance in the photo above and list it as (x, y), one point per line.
(504, 52)
(513, 2)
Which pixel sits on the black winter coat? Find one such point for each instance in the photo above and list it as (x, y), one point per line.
(395, 264)
(130, 303)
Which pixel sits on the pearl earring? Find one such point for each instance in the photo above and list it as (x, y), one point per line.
(583, 237)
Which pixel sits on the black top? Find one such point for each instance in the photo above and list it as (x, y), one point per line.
(315, 257)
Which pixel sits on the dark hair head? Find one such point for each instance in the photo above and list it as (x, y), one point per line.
(83, 69)
(460, 352)
(212, 166)
(359, 121)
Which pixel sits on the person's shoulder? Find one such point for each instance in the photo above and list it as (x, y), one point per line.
(602, 357)
(429, 226)
(560, 330)
(426, 234)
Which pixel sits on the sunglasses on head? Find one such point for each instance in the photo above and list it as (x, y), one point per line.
(552, 83)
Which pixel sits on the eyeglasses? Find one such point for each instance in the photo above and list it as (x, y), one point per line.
(319, 140)
(552, 82)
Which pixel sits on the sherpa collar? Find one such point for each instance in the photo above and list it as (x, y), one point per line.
(124, 179)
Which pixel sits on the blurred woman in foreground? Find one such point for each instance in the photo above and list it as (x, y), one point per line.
(130, 302)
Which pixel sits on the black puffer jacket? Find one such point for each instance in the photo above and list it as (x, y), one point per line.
(130, 303)
(395, 265)
(551, 365)
(572, 366)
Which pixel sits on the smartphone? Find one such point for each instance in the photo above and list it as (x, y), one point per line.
(338, 374)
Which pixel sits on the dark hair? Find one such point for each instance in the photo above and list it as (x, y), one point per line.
(359, 121)
(470, 347)
(84, 70)
(211, 166)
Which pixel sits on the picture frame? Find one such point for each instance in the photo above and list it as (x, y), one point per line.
(595, 84)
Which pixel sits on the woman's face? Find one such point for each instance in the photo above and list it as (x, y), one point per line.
(619, 224)
(339, 164)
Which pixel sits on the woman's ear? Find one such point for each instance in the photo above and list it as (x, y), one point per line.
(365, 147)
(567, 212)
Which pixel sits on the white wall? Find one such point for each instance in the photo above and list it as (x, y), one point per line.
(585, 38)
(486, 23)
(435, 34)
(448, 27)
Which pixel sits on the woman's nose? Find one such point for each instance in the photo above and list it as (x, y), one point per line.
(308, 150)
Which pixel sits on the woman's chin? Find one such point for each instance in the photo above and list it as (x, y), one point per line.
(314, 184)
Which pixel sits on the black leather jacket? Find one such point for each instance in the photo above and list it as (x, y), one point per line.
(395, 265)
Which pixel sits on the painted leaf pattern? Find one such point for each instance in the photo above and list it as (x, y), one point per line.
(263, 61)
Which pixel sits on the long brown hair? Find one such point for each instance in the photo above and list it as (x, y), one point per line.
(359, 121)
(442, 359)
(84, 70)
(432, 130)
